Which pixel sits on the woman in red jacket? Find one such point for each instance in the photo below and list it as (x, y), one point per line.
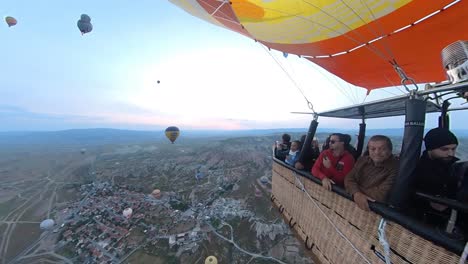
(334, 163)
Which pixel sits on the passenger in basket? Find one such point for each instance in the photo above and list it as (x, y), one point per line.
(294, 153)
(373, 176)
(315, 148)
(306, 163)
(326, 143)
(282, 148)
(433, 175)
(334, 163)
(350, 148)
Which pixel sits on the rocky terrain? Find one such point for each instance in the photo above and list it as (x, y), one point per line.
(211, 202)
(213, 199)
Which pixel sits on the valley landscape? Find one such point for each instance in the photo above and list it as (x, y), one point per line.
(212, 198)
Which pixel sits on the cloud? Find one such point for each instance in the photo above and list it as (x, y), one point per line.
(126, 116)
(17, 118)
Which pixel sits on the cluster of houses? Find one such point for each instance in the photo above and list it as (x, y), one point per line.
(100, 228)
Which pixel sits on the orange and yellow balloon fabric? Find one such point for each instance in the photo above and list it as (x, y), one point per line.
(356, 40)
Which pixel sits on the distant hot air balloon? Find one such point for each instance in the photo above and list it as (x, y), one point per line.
(11, 21)
(211, 260)
(258, 193)
(156, 193)
(158, 81)
(172, 133)
(199, 175)
(84, 24)
(47, 224)
(127, 213)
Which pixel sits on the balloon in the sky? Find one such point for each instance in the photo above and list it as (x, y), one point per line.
(84, 24)
(158, 82)
(211, 260)
(258, 193)
(85, 18)
(46, 224)
(127, 213)
(11, 21)
(172, 133)
(156, 193)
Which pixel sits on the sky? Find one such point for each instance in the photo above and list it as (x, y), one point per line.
(53, 78)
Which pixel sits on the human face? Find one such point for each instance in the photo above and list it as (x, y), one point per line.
(445, 153)
(294, 146)
(315, 143)
(379, 151)
(335, 143)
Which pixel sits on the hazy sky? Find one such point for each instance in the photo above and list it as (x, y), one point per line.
(210, 78)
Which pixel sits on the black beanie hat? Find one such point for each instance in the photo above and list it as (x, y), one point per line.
(438, 137)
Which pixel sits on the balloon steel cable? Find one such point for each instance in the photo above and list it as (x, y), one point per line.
(334, 82)
(382, 33)
(370, 47)
(309, 104)
(360, 44)
(226, 18)
(395, 86)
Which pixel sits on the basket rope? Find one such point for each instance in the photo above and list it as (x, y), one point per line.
(383, 240)
(464, 255)
(329, 220)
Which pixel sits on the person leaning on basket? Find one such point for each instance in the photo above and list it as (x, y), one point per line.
(373, 176)
(334, 163)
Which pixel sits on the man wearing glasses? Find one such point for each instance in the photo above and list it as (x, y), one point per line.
(334, 163)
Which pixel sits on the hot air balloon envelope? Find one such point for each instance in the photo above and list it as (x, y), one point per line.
(211, 260)
(84, 24)
(199, 175)
(11, 21)
(172, 133)
(127, 213)
(84, 27)
(47, 224)
(156, 193)
(358, 41)
(258, 193)
(85, 18)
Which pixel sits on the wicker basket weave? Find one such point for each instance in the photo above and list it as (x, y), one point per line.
(319, 216)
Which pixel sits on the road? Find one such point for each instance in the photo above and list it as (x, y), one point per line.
(14, 217)
(253, 255)
(37, 192)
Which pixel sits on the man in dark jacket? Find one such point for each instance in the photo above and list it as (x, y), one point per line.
(433, 175)
(282, 149)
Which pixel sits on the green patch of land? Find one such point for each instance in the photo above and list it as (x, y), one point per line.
(23, 236)
(7, 207)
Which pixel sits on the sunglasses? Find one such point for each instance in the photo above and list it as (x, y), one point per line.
(333, 141)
